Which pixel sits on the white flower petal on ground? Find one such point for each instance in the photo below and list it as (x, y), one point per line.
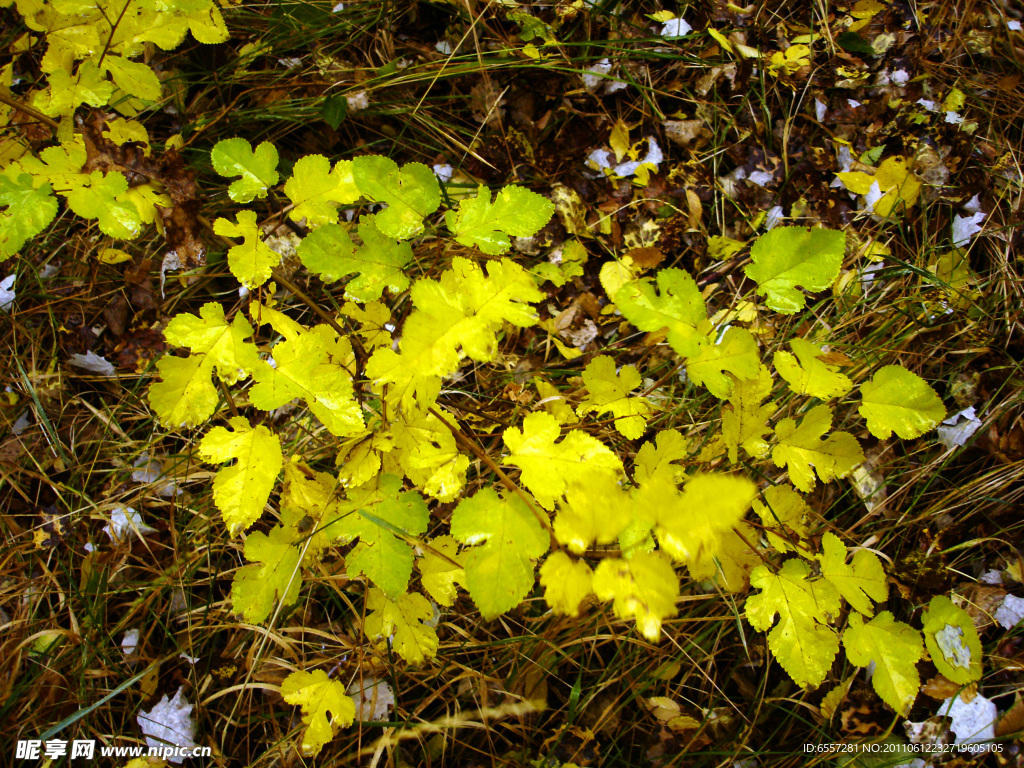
(357, 101)
(675, 28)
(953, 432)
(7, 294)
(819, 110)
(444, 47)
(130, 643)
(1010, 611)
(973, 205)
(1013, 26)
(953, 118)
(123, 520)
(966, 227)
(773, 217)
(761, 178)
(873, 196)
(593, 76)
(93, 363)
(443, 172)
(900, 77)
(374, 698)
(653, 157)
(151, 470)
(973, 722)
(170, 721)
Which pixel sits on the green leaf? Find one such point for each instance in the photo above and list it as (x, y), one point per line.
(378, 263)
(608, 392)
(952, 641)
(186, 396)
(678, 307)
(334, 110)
(324, 706)
(899, 401)
(736, 353)
(801, 641)
(133, 77)
(405, 618)
(859, 582)
(253, 261)
(499, 572)
(99, 199)
(410, 193)
(29, 210)
(235, 157)
(379, 517)
(807, 374)
(516, 211)
(803, 450)
(273, 575)
(895, 648)
(548, 466)
(64, 92)
(788, 257)
(241, 491)
(317, 190)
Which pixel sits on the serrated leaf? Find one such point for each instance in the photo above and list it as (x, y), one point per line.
(457, 316)
(439, 575)
(896, 400)
(316, 189)
(186, 396)
(735, 354)
(429, 455)
(242, 490)
(548, 466)
(804, 451)
(801, 641)
(785, 511)
(807, 374)
(499, 572)
(644, 588)
(253, 261)
(311, 365)
(273, 576)
(861, 581)
(655, 457)
(485, 225)
(895, 648)
(380, 518)
(608, 392)
(594, 511)
(566, 583)
(29, 210)
(133, 77)
(691, 524)
(324, 707)
(66, 92)
(730, 565)
(411, 193)
(745, 419)
(258, 169)
(404, 618)
(99, 198)
(330, 253)
(952, 640)
(786, 258)
(677, 306)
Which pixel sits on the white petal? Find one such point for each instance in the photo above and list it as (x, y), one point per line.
(972, 722)
(873, 196)
(7, 294)
(773, 217)
(170, 721)
(900, 77)
(93, 363)
(1010, 611)
(675, 28)
(966, 227)
(443, 172)
(130, 642)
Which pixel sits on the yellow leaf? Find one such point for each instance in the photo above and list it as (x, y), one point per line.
(566, 583)
(414, 640)
(438, 575)
(112, 256)
(645, 587)
(324, 705)
(619, 140)
(242, 490)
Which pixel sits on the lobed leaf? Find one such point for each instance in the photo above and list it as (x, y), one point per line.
(896, 400)
(786, 258)
(485, 225)
(258, 169)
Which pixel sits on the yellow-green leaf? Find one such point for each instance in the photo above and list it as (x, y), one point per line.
(273, 575)
(692, 524)
(952, 640)
(896, 400)
(859, 582)
(644, 587)
(438, 574)
(566, 583)
(241, 491)
(807, 374)
(735, 353)
(788, 258)
(895, 648)
(804, 451)
(404, 618)
(324, 707)
(608, 392)
(253, 261)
